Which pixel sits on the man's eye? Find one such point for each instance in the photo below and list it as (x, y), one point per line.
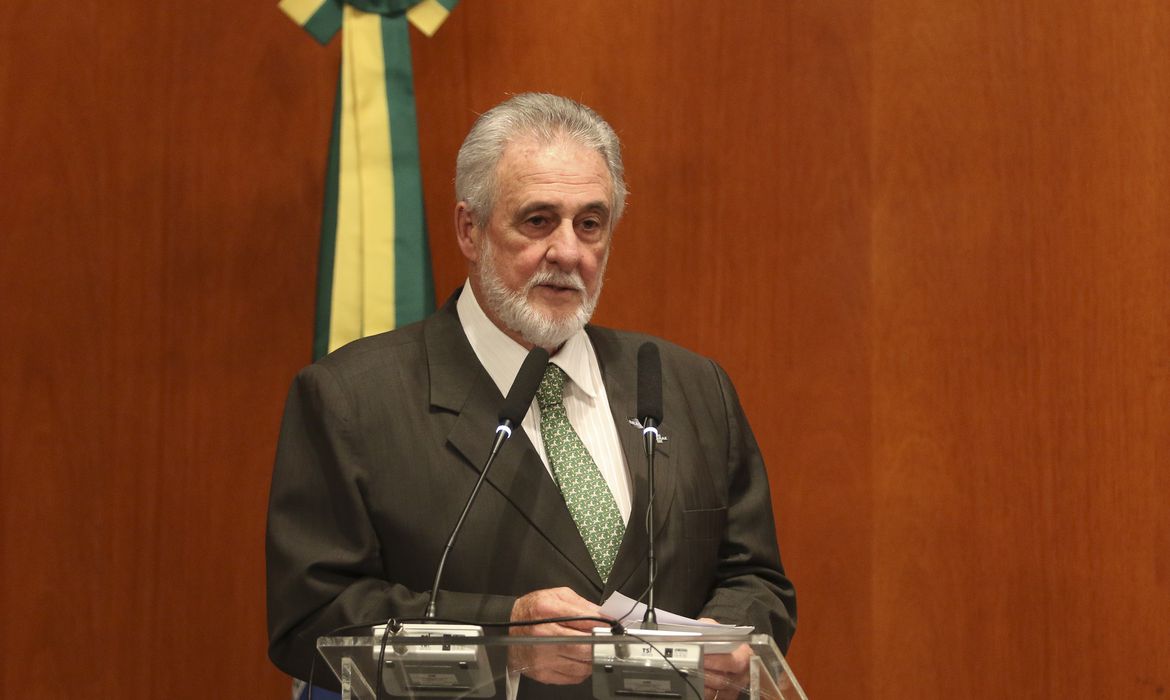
(537, 220)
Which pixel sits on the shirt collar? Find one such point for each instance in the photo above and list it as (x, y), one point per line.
(501, 356)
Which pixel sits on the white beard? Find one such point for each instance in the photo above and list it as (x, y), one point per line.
(514, 311)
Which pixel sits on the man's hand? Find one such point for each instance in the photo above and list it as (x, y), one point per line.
(726, 674)
(560, 664)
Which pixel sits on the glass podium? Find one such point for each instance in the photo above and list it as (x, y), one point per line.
(459, 661)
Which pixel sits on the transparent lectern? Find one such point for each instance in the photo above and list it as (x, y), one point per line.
(639, 666)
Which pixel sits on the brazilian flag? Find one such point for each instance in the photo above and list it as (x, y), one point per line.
(374, 269)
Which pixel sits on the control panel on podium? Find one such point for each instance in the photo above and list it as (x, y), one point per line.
(460, 661)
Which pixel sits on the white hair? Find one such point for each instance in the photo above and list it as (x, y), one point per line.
(545, 117)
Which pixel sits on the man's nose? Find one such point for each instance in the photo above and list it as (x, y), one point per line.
(564, 249)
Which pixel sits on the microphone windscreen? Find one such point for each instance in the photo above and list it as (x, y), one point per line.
(524, 386)
(649, 383)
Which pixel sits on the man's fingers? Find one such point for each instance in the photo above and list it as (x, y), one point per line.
(729, 664)
(560, 664)
(552, 603)
(583, 626)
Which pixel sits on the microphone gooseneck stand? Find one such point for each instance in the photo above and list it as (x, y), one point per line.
(650, 415)
(512, 413)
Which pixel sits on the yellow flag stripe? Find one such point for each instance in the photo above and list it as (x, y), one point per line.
(363, 292)
(345, 303)
(427, 16)
(301, 10)
(377, 175)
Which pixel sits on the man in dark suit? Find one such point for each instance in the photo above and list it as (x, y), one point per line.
(383, 439)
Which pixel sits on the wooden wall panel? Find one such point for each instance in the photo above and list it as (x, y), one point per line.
(1021, 243)
(160, 164)
(930, 243)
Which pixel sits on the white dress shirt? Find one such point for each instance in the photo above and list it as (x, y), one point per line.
(586, 402)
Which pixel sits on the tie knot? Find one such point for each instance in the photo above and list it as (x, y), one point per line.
(551, 393)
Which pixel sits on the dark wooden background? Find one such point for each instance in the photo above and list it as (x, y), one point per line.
(930, 241)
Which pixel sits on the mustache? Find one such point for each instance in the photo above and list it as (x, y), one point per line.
(556, 278)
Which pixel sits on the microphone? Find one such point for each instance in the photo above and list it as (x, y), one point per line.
(649, 393)
(512, 414)
(520, 396)
(650, 415)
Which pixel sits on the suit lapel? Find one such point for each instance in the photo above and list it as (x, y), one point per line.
(619, 371)
(459, 384)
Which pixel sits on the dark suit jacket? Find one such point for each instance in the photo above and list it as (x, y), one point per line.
(383, 440)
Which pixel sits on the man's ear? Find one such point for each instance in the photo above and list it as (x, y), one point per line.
(466, 232)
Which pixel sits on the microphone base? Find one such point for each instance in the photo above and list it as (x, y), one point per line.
(660, 664)
(445, 669)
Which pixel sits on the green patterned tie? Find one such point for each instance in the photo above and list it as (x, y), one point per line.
(590, 501)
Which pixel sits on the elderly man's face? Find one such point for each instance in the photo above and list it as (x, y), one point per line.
(537, 264)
